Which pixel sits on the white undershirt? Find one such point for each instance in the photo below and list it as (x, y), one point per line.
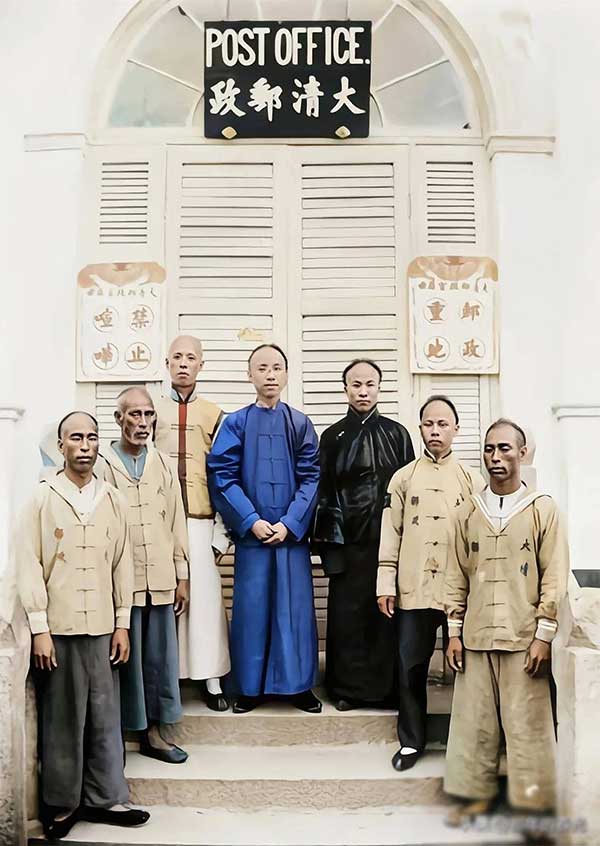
(500, 507)
(82, 499)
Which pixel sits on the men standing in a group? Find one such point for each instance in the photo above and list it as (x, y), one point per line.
(359, 455)
(158, 541)
(424, 501)
(75, 582)
(263, 473)
(185, 429)
(503, 590)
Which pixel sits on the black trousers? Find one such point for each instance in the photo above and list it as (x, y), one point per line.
(416, 635)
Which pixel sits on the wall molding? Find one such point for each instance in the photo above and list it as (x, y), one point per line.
(11, 412)
(499, 142)
(40, 142)
(576, 409)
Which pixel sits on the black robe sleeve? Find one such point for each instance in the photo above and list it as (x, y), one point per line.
(328, 532)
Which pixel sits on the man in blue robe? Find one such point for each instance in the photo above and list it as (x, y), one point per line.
(263, 476)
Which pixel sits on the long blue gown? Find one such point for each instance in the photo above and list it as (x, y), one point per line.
(264, 464)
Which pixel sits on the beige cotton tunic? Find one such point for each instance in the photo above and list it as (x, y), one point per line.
(157, 526)
(74, 567)
(507, 577)
(424, 500)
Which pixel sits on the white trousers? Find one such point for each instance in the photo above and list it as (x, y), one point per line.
(202, 630)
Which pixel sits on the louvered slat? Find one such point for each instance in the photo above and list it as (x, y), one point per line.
(450, 204)
(464, 391)
(124, 193)
(106, 403)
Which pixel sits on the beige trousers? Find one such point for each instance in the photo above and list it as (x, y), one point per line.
(495, 692)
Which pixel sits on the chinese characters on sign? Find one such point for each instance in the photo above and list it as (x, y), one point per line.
(453, 315)
(292, 79)
(120, 315)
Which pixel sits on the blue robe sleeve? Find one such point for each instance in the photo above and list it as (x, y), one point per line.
(298, 517)
(224, 466)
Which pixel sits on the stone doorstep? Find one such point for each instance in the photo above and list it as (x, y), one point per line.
(298, 777)
(393, 826)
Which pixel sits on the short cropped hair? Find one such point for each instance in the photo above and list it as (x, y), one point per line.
(356, 361)
(439, 398)
(268, 346)
(504, 421)
(70, 414)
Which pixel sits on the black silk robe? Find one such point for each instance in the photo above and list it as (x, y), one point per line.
(358, 457)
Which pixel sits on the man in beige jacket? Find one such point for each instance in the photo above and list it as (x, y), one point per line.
(150, 697)
(503, 589)
(75, 581)
(423, 502)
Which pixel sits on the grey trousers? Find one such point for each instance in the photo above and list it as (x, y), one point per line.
(81, 744)
(150, 679)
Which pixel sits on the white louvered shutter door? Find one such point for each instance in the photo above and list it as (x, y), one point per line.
(450, 216)
(122, 220)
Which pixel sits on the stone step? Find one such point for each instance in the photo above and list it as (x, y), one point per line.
(391, 826)
(278, 724)
(299, 777)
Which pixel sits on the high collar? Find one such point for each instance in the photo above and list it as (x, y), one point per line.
(356, 419)
(445, 459)
(175, 395)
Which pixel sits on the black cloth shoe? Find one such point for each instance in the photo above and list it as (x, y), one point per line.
(129, 818)
(57, 829)
(174, 755)
(306, 701)
(243, 704)
(402, 762)
(345, 705)
(215, 701)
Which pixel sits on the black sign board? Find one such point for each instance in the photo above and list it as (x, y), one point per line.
(296, 79)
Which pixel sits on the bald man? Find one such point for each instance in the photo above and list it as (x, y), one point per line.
(150, 698)
(186, 426)
(75, 582)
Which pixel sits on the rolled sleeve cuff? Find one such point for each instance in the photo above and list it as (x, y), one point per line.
(386, 580)
(248, 523)
(38, 622)
(122, 616)
(182, 571)
(455, 628)
(546, 630)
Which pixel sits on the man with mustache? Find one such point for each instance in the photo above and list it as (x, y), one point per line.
(158, 539)
(185, 430)
(503, 589)
(263, 472)
(75, 582)
(423, 502)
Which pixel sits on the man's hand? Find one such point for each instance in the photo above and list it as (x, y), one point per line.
(537, 662)
(387, 605)
(454, 654)
(182, 596)
(280, 533)
(44, 653)
(119, 647)
(262, 530)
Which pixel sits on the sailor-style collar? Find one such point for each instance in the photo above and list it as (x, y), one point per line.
(445, 459)
(513, 504)
(68, 491)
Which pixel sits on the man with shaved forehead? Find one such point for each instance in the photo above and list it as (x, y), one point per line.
(158, 539)
(503, 588)
(75, 582)
(186, 426)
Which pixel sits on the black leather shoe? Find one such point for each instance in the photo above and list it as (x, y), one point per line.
(243, 704)
(129, 818)
(402, 762)
(306, 701)
(174, 755)
(57, 829)
(216, 701)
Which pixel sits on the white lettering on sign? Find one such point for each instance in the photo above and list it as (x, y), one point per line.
(291, 46)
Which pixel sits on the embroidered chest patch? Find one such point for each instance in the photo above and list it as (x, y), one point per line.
(526, 545)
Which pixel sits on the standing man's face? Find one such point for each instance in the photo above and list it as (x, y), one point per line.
(79, 443)
(268, 374)
(185, 361)
(503, 455)
(438, 428)
(362, 387)
(135, 418)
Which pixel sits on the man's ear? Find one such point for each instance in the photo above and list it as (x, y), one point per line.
(201, 364)
(167, 362)
(522, 452)
(61, 446)
(118, 417)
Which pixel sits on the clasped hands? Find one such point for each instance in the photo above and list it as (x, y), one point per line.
(537, 658)
(269, 534)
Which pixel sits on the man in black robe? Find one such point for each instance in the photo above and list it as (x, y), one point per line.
(359, 455)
